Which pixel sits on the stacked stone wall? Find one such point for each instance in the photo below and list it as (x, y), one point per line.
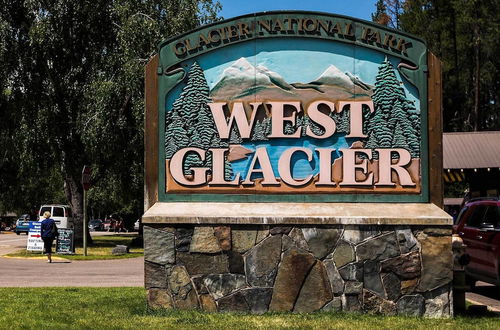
(386, 270)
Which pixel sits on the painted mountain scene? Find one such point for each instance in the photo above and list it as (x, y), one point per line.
(243, 81)
(316, 145)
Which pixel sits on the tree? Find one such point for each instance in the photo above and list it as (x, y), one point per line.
(266, 126)
(234, 136)
(289, 129)
(228, 170)
(388, 12)
(76, 85)
(205, 125)
(392, 110)
(175, 135)
(341, 121)
(194, 96)
(399, 140)
(258, 133)
(464, 36)
(380, 15)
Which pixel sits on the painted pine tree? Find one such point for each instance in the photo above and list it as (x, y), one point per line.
(176, 137)
(385, 93)
(399, 140)
(191, 123)
(266, 127)
(305, 123)
(194, 95)
(289, 128)
(228, 170)
(315, 128)
(258, 133)
(392, 108)
(205, 126)
(234, 136)
(192, 159)
(341, 121)
(372, 143)
(412, 135)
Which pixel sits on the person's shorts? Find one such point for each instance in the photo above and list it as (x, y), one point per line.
(47, 244)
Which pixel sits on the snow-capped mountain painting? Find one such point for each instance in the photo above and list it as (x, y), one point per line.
(243, 80)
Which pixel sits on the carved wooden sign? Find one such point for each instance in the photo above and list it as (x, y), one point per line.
(293, 106)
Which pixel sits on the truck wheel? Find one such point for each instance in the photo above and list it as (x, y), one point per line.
(18, 233)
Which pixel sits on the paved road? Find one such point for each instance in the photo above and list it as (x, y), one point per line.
(37, 272)
(95, 273)
(10, 242)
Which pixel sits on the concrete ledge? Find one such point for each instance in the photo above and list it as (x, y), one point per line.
(297, 213)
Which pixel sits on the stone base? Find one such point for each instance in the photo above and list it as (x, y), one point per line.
(381, 269)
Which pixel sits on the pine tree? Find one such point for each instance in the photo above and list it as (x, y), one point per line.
(193, 159)
(234, 137)
(392, 108)
(258, 131)
(205, 126)
(228, 170)
(341, 121)
(380, 16)
(372, 142)
(305, 124)
(176, 136)
(289, 129)
(399, 140)
(315, 128)
(266, 127)
(194, 95)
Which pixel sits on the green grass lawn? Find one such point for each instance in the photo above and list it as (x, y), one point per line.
(125, 308)
(99, 250)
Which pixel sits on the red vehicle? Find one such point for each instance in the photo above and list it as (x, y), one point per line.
(478, 224)
(108, 225)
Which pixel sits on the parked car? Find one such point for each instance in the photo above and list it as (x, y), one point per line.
(96, 225)
(60, 213)
(478, 224)
(23, 224)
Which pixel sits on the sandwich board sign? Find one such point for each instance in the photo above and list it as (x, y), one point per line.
(65, 241)
(35, 242)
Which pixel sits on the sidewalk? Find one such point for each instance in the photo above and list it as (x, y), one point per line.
(485, 294)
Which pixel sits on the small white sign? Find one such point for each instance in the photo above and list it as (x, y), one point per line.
(35, 242)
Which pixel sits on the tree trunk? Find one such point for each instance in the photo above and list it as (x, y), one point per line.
(74, 194)
(477, 42)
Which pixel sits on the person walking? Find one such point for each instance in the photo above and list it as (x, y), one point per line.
(49, 233)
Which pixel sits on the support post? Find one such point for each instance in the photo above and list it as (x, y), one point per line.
(85, 228)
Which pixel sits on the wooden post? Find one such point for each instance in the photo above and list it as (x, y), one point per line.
(151, 134)
(85, 228)
(435, 122)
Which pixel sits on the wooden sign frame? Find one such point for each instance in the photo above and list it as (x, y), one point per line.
(163, 72)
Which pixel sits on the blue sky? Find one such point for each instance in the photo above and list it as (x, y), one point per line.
(355, 8)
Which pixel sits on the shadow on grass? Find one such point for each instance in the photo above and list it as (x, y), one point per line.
(201, 317)
(478, 311)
